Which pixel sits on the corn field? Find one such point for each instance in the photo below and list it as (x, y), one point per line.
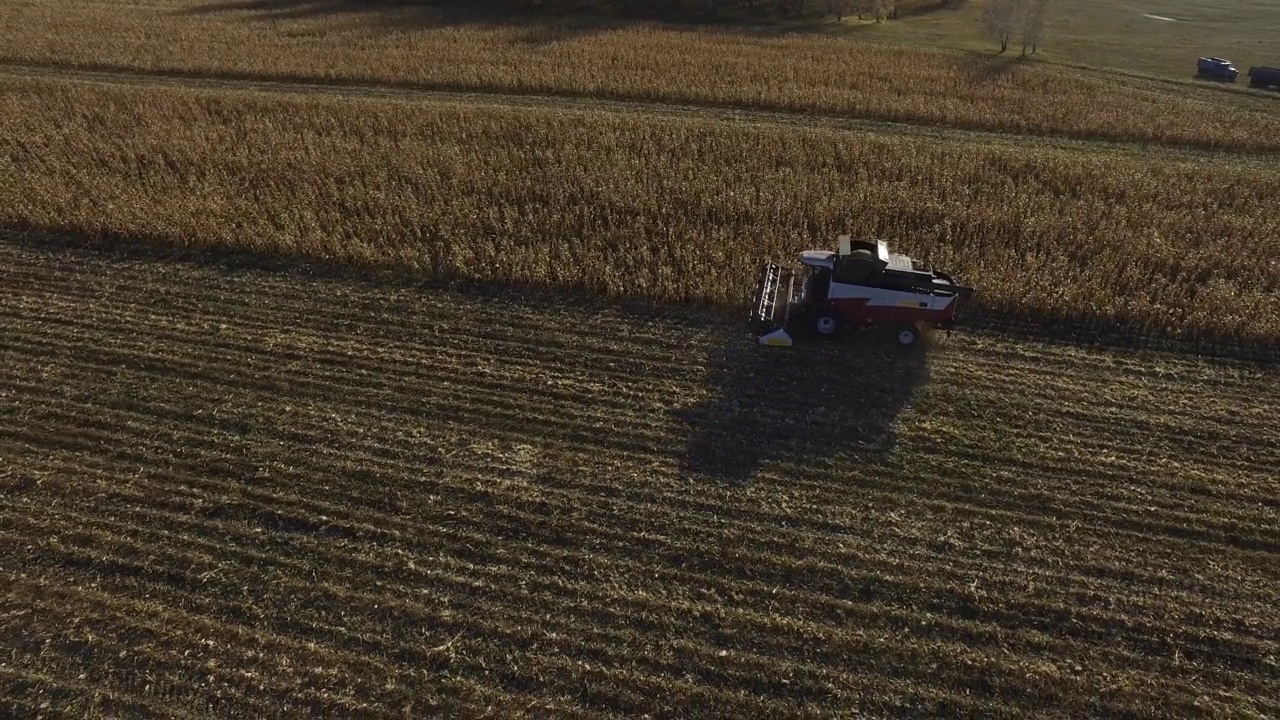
(805, 73)
(571, 484)
(669, 210)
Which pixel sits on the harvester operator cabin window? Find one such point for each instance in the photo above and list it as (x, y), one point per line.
(853, 270)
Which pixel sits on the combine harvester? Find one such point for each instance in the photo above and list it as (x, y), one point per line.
(862, 286)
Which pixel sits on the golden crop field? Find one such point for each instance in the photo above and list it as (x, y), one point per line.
(229, 493)
(423, 45)
(654, 208)
(427, 390)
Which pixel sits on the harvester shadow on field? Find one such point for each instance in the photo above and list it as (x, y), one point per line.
(802, 405)
(550, 21)
(543, 23)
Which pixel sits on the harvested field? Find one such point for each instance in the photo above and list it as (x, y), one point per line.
(231, 493)
(644, 206)
(424, 46)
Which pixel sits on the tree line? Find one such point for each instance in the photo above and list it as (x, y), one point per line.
(710, 9)
(1005, 21)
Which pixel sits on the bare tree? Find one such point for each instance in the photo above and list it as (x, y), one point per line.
(878, 9)
(999, 19)
(1033, 26)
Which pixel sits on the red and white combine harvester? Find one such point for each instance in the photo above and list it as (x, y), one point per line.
(862, 285)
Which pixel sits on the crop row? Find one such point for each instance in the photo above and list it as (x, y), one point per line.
(672, 210)
(833, 75)
(237, 492)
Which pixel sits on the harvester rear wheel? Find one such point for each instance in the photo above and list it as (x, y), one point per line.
(907, 335)
(827, 324)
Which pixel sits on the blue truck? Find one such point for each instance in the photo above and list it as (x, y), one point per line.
(1261, 77)
(1217, 68)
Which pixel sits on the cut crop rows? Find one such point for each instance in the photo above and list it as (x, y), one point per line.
(232, 493)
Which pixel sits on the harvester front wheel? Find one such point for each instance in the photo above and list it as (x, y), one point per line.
(907, 335)
(827, 323)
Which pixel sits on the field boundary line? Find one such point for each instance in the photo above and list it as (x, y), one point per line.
(611, 103)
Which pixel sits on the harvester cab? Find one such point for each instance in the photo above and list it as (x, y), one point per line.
(861, 285)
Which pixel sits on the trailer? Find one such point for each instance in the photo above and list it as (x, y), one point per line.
(1217, 68)
(1264, 77)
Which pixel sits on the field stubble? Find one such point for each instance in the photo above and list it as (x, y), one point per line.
(233, 493)
(656, 208)
(392, 43)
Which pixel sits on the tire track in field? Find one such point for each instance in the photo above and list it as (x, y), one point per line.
(1157, 634)
(513, 349)
(1115, 507)
(640, 342)
(605, 613)
(497, 98)
(407, 415)
(584, 432)
(569, 501)
(67, 684)
(654, 503)
(143, 524)
(343, 516)
(589, 636)
(577, 592)
(333, 356)
(1034, 468)
(491, 517)
(534, 541)
(166, 630)
(502, 406)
